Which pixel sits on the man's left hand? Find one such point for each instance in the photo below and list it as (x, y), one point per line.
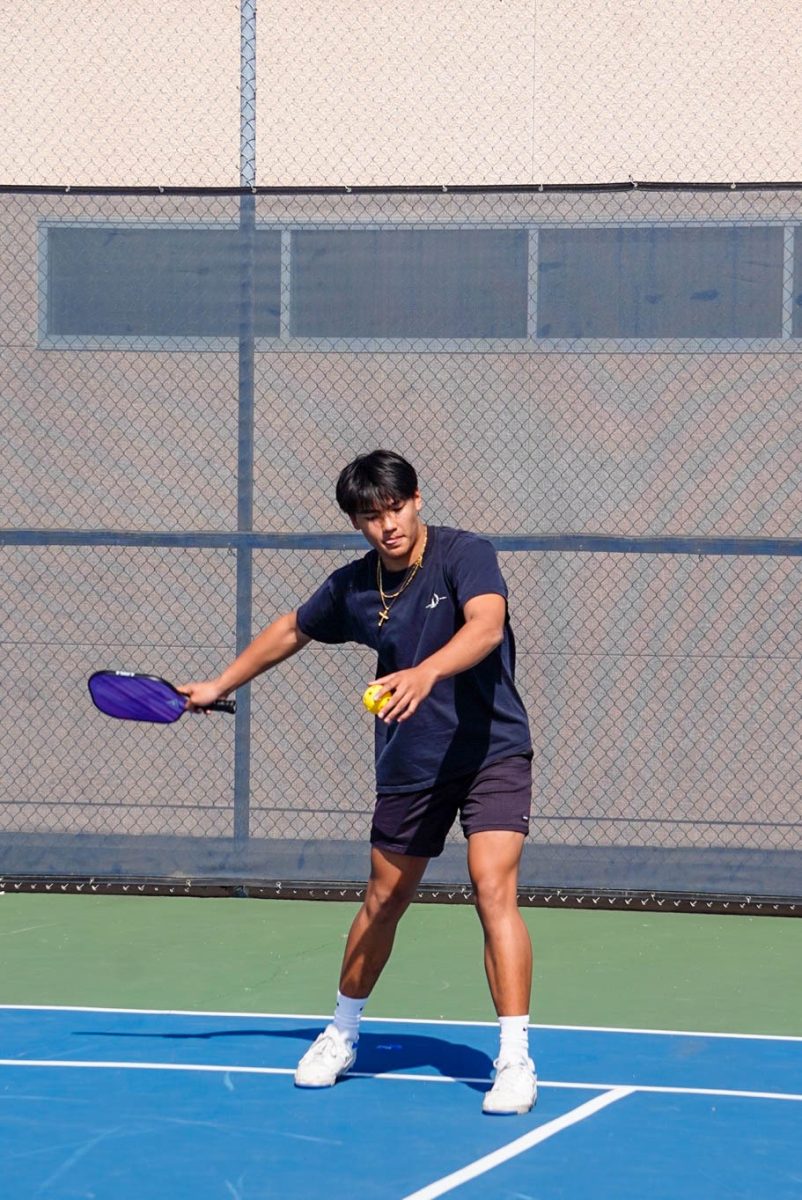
(409, 688)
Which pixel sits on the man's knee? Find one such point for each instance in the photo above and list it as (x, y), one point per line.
(493, 859)
(387, 903)
(392, 885)
(496, 895)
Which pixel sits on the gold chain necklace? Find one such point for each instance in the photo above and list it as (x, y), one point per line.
(389, 598)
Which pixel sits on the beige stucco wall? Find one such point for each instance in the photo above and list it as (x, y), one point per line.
(402, 91)
(144, 92)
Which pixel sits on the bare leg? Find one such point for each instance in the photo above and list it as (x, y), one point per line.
(493, 858)
(391, 887)
(393, 881)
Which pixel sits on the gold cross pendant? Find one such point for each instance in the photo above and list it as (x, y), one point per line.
(384, 613)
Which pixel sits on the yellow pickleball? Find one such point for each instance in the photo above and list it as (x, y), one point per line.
(370, 701)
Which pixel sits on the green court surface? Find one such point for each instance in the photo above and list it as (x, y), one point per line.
(735, 974)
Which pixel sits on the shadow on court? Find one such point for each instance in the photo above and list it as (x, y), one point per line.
(377, 1052)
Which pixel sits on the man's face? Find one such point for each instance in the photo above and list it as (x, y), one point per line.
(395, 531)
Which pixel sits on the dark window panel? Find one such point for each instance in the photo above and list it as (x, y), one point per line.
(157, 282)
(629, 282)
(441, 283)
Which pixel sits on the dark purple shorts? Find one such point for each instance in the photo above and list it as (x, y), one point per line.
(498, 796)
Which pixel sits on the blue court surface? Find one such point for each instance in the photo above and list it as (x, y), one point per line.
(102, 1104)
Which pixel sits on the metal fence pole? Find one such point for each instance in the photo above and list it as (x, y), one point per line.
(247, 226)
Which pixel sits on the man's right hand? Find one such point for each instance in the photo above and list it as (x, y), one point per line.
(202, 694)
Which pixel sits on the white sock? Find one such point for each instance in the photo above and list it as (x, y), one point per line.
(347, 1015)
(514, 1038)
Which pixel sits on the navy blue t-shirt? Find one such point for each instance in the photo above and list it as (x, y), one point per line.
(466, 722)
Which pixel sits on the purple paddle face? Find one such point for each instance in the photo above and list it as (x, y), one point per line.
(136, 697)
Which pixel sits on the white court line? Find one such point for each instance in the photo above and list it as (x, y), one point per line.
(255, 1016)
(140, 1066)
(693, 1033)
(261, 1016)
(660, 1089)
(521, 1144)
(401, 1076)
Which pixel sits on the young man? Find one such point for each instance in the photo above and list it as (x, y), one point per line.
(453, 738)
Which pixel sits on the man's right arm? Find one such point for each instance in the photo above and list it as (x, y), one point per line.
(273, 645)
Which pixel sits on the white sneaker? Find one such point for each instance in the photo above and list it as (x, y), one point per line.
(514, 1089)
(329, 1056)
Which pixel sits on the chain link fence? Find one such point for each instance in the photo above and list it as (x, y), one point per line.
(307, 93)
(607, 383)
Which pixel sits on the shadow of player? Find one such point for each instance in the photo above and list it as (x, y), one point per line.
(378, 1053)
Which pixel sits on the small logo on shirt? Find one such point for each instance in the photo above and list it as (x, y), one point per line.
(435, 600)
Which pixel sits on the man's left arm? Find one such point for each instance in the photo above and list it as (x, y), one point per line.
(482, 632)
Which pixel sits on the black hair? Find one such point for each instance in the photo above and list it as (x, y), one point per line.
(375, 481)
